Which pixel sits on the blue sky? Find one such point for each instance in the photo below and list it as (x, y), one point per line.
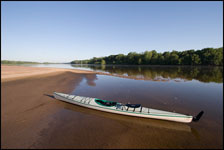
(66, 31)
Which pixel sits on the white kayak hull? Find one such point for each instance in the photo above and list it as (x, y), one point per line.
(138, 112)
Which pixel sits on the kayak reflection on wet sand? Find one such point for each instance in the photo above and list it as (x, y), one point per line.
(132, 121)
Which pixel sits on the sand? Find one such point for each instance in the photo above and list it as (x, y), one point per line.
(26, 102)
(9, 73)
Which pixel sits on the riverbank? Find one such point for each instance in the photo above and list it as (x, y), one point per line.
(27, 106)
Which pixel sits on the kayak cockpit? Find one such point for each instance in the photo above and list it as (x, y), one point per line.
(133, 105)
(105, 103)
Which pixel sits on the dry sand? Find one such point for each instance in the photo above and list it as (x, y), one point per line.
(9, 72)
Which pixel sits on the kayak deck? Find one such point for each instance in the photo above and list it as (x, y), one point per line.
(120, 108)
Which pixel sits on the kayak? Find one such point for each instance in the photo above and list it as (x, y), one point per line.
(125, 109)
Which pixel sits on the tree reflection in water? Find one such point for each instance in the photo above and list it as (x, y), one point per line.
(90, 78)
(162, 73)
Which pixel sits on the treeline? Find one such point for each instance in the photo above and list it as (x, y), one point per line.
(206, 56)
(17, 62)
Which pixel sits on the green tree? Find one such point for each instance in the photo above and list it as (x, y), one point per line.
(174, 59)
(216, 57)
(147, 57)
(139, 61)
(166, 58)
(154, 59)
(131, 57)
(195, 59)
(206, 56)
(161, 59)
(120, 58)
(103, 62)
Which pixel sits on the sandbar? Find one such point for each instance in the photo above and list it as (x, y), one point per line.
(27, 105)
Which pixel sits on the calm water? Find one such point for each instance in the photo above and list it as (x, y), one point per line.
(185, 90)
(155, 73)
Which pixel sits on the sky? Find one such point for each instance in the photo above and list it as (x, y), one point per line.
(66, 31)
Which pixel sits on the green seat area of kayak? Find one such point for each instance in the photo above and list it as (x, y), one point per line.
(105, 103)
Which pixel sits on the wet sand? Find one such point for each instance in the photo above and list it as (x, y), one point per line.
(26, 101)
(32, 118)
